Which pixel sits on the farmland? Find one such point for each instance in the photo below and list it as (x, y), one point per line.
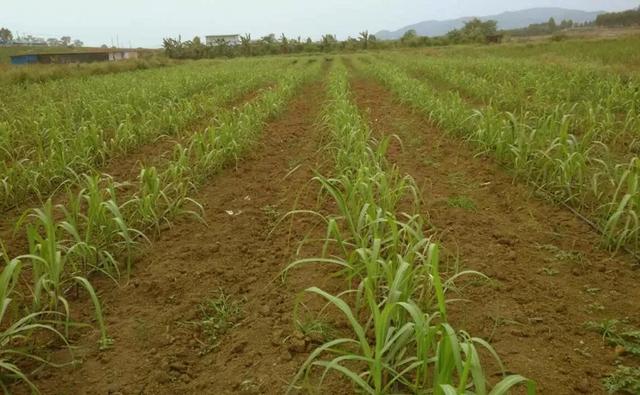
(432, 220)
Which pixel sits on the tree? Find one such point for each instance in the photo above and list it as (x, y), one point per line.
(195, 48)
(245, 44)
(5, 35)
(624, 18)
(373, 41)
(284, 44)
(222, 47)
(173, 48)
(408, 36)
(566, 23)
(474, 31)
(267, 44)
(309, 45)
(552, 24)
(53, 42)
(66, 40)
(78, 44)
(364, 38)
(328, 42)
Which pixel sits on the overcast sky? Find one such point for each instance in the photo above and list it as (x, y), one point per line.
(146, 22)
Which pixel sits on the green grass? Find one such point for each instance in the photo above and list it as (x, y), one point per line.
(627, 339)
(463, 202)
(622, 51)
(216, 317)
(625, 380)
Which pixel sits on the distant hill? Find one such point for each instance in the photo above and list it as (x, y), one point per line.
(506, 20)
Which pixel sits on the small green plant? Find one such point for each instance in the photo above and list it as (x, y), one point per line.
(627, 339)
(272, 213)
(561, 255)
(462, 202)
(14, 337)
(217, 316)
(624, 380)
(316, 329)
(458, 179)
(549, 271)
(557, 37)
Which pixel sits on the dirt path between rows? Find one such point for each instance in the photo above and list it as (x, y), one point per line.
(157, 349)
(549, 275)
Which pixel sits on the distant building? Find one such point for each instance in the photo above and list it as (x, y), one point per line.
(229, 39)
(74, 57)
(29, 41)
(122, 55)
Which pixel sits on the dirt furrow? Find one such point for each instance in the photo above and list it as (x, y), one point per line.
(159, 347)
(549, 275)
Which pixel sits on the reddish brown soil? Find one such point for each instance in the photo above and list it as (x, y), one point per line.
(549, 275)
(155, 350)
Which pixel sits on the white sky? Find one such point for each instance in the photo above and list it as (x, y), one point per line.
(146, 22)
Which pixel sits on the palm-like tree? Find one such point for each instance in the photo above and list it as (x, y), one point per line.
(364, 38)
(245, 42)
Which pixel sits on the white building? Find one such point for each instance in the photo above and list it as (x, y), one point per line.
(229, 39)
(122, 55)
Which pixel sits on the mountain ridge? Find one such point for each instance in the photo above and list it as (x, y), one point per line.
(506, 20)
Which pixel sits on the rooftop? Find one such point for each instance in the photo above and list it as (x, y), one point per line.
(74, 53)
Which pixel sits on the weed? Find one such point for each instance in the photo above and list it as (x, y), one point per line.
(561, 255)
(627, 340)
(462, 202)
(272, 213)
(217, 316)
(624, 380)
(549, 271)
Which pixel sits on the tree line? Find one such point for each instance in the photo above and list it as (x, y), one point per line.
(474, 31)
(266, 45)
(541, 29)
(7, 37)
(619, 19)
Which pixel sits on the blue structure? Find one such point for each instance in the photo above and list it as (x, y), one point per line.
(24, 59)
(73, 57)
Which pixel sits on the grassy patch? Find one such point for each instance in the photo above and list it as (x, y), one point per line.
(272, 214)
(626, 341)
(624, 380)
(463, 202)
(217, 316)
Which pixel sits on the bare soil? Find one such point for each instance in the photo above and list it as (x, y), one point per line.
(549, 274)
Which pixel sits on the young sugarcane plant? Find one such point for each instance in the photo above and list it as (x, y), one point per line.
(14, 335)
(419, 352)
(53, 270)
